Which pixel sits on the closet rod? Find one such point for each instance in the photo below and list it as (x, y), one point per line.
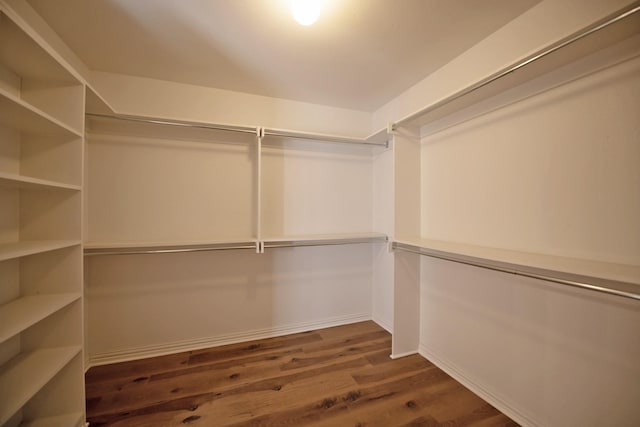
(230, 128)
(612, 19)
(323, 242)
(242, 129)
(142, 250)
(611, 287)
(322, 138)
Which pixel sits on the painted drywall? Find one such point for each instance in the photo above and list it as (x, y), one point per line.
(148, 184)
(150, 304)
(315, 188)
(157, 98)
(555, 174)
(145, 190)
(545, 354)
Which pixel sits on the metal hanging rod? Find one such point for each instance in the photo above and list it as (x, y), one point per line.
(241, 129)
(611, 287)
(179, 123)
(323, 242)
(612, 19)
(169, 249)
(166, 249)
(321, 137)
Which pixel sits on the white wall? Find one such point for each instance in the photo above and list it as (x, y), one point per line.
(149, 184)
(555, 174)
(545, 354)
(143, 189)
(157, 98)
(315, 188)
(142, 305)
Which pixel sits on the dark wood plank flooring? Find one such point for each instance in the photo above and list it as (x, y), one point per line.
(340, 376)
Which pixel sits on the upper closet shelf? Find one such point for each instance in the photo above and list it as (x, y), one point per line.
(32, 247)
(9, 180)
(604, 33)
(616, 279)
(373, 140)
(194, 129)
(17, 114)
(95, 103)
(29, 72)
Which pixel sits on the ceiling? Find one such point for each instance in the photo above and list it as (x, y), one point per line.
(359, 55)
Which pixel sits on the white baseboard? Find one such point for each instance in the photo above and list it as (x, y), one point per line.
(383, 324)
(499, 402)
(164, 349)
(405, 354)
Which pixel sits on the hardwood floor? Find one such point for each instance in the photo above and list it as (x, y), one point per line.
(340, 376)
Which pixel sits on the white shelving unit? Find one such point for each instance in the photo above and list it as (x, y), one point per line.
(612, 41)
(41, 150)
(242, 190)
(311, 166)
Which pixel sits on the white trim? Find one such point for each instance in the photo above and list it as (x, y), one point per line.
(499, 402)
(405, 354)
(383, 324)
(164, 349)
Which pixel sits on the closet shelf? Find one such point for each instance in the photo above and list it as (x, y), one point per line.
(27, 373)
(10, 180)
(323, 240)
(65, 420)
(95, 103)
(606, 32)
(91, 249)
(29, 60)
(15, 113)
(31, 247)
(24, 312)
(379, 139)
(374, 140)
(616, 279)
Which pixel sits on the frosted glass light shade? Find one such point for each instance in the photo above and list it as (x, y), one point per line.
(306, 12)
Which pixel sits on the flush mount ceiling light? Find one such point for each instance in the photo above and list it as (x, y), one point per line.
(306, 12)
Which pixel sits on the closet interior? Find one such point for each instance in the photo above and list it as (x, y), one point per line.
(460, 228)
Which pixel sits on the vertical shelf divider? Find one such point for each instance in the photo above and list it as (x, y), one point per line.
(407, 201)
(259, 244)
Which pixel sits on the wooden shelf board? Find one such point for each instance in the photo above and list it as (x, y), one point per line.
(27, 373)
(10, 180)
(64, 420)
(31, 247)
(24, 312)
(16, 113)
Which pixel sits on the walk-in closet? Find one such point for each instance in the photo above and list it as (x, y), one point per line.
(422, 212)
